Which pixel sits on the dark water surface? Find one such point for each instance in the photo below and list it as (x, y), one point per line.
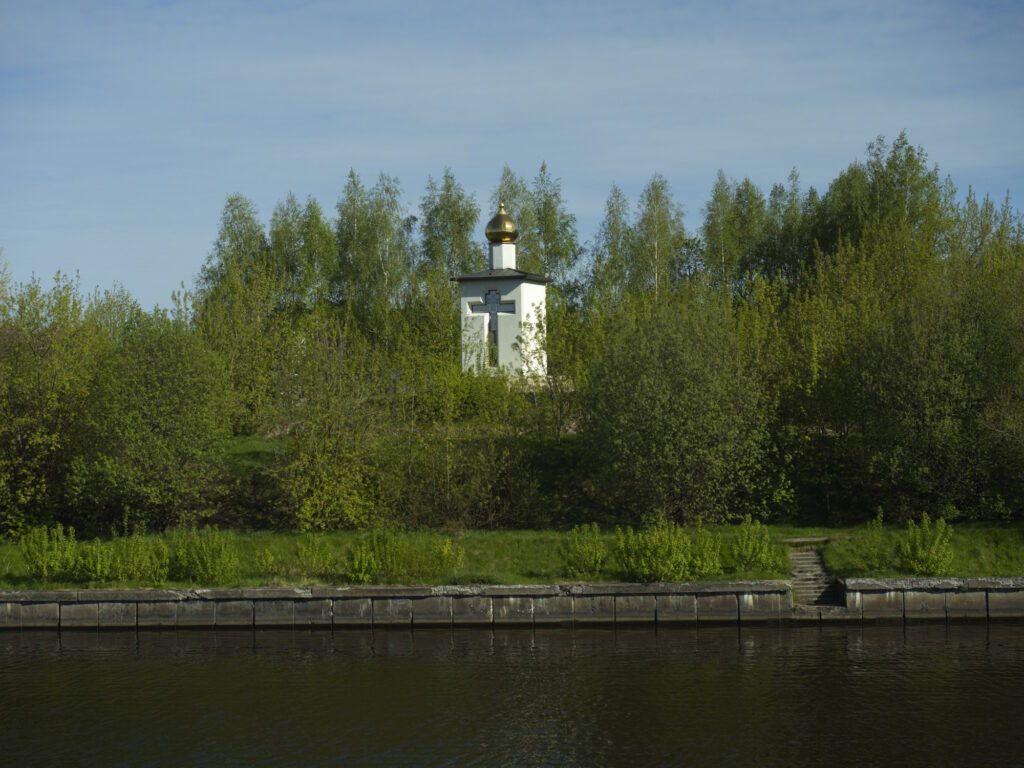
(919, 696)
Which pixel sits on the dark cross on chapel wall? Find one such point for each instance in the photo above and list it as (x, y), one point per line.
(492, 305)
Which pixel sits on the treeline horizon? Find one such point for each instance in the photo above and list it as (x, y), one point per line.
(801, 356)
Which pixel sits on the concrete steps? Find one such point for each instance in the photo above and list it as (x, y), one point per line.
(812, 584)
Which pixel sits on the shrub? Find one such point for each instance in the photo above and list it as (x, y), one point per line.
(51, 554)
(95, 562)
(315, 557)
(266, 563)
(205, 556)
(448, 557)
(927, 551)
(658, 553)
(362, 567)
(134, 558)
(584, 552)
(706, 560)
(673, 415)
(875, 554)
(140, 558)
(752, 549)
(380, 558)
(155, 415)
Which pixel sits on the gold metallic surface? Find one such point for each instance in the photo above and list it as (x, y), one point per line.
(501, 229)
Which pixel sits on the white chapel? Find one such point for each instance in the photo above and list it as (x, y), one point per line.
(502, 308)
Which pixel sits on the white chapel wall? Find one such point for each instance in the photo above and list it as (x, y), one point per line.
(519, 340)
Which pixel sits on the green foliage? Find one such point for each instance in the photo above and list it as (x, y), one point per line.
(375, 255)
(661, 552)
(5, 284)
(547, 242)
(389, 556)
(204, 556)
(584, 551)
(327, 401)
(315, 557)
(927, 550)
(458, 451)
(50, 554)
(266, 563)
(95, 562)
(752, 548)
(806, 355)
(381, 557)
(304, 253)
(875, 551)
(448, 560)
(706, 559)
(674, 419)
(659, 252)
(239, 291)
(522, 557)
(138, 558)
(734, 228)
(892, 194)
(149, 442)
(901, 332)
(448, 218)
(363, 567)
(48, 347)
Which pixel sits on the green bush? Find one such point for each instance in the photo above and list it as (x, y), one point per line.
(382, 557)
(661, 552)
(95, 562)
(448, 559)
(706, 560)
(927, 551)
(266, 563)
(752, 549)
(875, 554)
(135, 558)
(584, 552)
(673, 415)
(205, 556)
(363, 566)
(141, 558)
(149, 445)
(51, 554)
(315, 558)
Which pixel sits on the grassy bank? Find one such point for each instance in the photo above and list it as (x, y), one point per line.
(979, 549)
(224, 558)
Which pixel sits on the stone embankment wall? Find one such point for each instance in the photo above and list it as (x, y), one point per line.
(946, 599)
(744, 602)
(576, 604)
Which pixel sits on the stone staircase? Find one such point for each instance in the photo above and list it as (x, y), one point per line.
(812, 584)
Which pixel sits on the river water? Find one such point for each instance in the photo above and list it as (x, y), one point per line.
(914, 696)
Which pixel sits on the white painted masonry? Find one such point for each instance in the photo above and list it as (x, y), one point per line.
(502, 309)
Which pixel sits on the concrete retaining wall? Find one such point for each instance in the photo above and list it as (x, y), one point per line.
(945, 599)
(867, 600)
(552, 605)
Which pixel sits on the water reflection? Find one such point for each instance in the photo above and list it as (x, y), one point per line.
(920, 695)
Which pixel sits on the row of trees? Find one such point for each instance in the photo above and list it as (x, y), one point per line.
(799, 355)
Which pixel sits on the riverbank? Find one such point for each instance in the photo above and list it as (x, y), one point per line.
(694, 604)
(239, 559)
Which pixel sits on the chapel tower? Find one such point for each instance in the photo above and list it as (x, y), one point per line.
(502, 308)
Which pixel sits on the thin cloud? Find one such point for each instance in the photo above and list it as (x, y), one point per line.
(140, 118)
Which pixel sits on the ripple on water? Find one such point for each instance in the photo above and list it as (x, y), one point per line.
(911, 696)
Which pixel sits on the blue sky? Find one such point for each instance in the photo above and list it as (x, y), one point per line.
(124, 126)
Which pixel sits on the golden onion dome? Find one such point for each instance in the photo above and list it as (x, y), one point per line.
(501, 229)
